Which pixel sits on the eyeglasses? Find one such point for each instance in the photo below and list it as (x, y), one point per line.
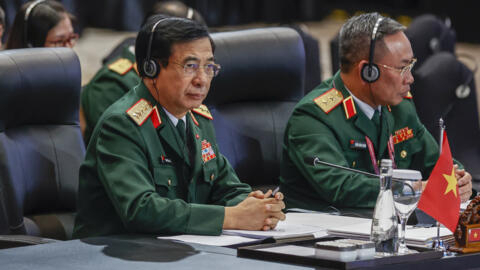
(404, 69)
(63, 42)
(190, 69)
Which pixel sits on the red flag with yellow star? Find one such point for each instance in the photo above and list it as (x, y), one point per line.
(441, 199)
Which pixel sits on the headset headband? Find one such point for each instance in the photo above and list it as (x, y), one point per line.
(372, 42)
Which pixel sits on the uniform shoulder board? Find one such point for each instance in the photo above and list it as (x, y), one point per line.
(203, 111)
(329, 100)
(409, 95)
(121, 66)
(140, 111)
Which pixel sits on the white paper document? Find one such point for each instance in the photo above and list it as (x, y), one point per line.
(222, 240)
(413, 235)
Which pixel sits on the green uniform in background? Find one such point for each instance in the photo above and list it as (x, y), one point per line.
(110, 83)
(326, 124)
(140, 176)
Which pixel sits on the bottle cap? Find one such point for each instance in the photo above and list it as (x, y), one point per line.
(406, 174)
(386, 163)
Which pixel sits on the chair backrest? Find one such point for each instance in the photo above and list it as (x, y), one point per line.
(261, 80)
(435, 93)
(429, 35)
(41, 146)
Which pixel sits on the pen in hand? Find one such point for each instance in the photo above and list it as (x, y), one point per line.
(277, 189)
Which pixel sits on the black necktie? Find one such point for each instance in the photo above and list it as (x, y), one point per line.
(181, 129)
(376, 119)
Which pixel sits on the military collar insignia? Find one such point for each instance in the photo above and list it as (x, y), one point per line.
(207, 151)
(409, 95)
(389, 108)
(142, 110)
(155, 117)
(349, 107)
(402, 135)
(194, 119)
(329, 100)
(203, 111)
(121, 66)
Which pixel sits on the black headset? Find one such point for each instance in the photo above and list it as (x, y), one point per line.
(150, 67)
(435, 43)
(370, 72)
(25, 21)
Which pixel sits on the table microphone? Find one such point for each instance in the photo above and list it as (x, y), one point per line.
(315, 161)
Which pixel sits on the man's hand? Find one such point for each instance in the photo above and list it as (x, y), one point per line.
(464, 182)
(256, 212)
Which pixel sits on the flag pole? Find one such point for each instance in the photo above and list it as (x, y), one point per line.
(438, 244)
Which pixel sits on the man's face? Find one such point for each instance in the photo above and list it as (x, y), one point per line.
(392, 86)
(178, 91)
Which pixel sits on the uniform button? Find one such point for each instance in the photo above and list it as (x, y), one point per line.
(403, 154)
(354, 163)
(212, 176)
(169, 182)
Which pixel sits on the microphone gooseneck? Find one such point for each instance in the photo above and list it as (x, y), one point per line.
(315, 161)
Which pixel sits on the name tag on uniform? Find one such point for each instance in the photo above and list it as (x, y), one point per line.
(164, 160)
(357, 145)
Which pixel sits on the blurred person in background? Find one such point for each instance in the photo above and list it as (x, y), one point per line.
(119, 74)
(2, 26)
(42, 23)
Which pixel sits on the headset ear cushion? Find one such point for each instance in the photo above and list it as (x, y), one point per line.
(370, 73)
(150, 68)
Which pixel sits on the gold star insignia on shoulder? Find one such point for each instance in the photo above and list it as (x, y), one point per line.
(121, 66)
(329, 100)
(203, 111)
(408, 96)
(140, 111)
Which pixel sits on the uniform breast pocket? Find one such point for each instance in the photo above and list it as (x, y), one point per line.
(357, 158)
(405, 151)
(166, 181)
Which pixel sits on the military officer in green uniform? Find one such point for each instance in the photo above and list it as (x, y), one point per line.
(119, 74)
(110, 83)
(363, 114)
(152, 164)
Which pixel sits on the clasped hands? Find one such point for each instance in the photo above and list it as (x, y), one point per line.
(259, 211)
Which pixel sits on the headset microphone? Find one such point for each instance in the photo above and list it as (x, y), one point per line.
(370, 72)
(150, 67)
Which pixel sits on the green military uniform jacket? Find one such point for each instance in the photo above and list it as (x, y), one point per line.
(336, 134)
(137, 176)
(110, 83)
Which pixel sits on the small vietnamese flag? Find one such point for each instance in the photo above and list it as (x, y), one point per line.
(441, 199)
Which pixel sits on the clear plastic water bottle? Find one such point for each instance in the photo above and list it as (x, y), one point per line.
(384, 222)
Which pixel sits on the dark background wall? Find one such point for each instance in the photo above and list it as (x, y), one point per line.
(128, 14)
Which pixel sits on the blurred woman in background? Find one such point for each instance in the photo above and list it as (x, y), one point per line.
(42, 23)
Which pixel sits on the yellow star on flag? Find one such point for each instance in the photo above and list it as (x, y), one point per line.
(452, 183)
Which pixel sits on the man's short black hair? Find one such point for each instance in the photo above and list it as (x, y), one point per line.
(169, 31)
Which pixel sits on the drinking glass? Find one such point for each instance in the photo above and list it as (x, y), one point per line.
(406, 190)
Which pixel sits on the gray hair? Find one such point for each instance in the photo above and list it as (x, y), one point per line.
(356, 34)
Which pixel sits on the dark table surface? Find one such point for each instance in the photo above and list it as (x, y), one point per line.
(146, 252)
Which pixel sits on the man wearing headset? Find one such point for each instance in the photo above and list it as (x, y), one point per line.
(152, 164)
(119, 74)
(361, 115)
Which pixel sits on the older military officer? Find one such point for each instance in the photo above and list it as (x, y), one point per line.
(152, 164)
(361, 115)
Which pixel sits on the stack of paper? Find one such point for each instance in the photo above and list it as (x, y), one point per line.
(416, 236)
